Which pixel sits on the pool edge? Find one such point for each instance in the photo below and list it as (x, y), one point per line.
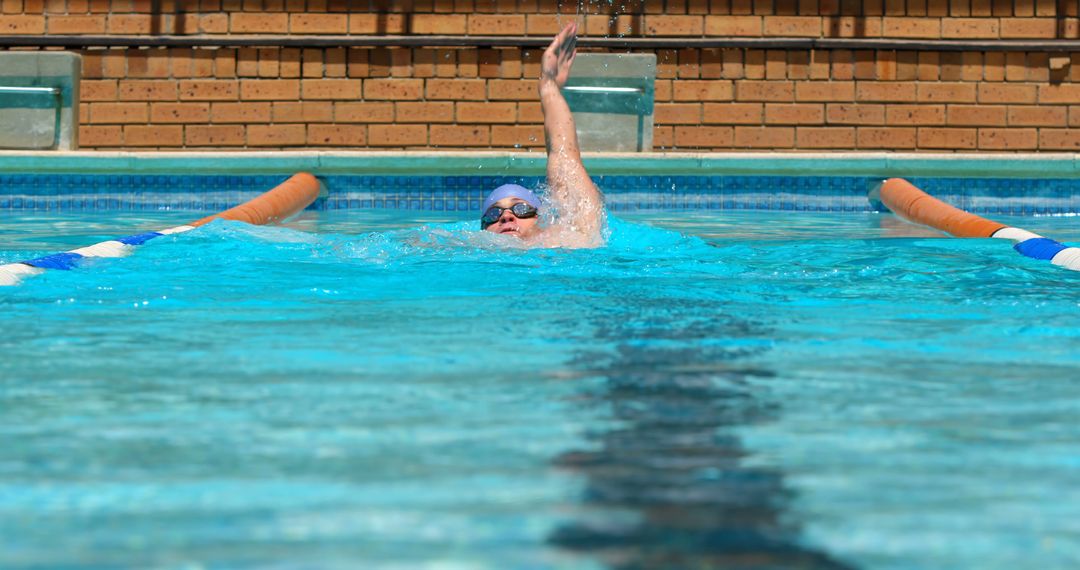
(1041, 165)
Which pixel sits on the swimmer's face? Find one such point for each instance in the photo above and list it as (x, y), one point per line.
(509, 223)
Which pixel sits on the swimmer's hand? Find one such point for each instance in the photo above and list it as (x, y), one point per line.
(558, 57)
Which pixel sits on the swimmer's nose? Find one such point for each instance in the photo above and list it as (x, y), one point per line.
(507, 216)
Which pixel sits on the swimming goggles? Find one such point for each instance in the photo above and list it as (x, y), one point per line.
(521, 210)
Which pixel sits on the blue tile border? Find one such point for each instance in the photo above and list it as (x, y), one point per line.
(188, 192)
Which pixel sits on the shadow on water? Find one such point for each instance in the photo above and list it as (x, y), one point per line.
(673, 464)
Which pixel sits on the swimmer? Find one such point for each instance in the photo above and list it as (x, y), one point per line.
(578, 205)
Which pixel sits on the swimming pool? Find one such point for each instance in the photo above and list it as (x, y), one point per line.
(720, 388)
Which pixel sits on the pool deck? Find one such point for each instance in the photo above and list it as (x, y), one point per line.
(884, 164)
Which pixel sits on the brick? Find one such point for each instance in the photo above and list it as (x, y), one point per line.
(496, 25)
(215, 135)
(915, 115)
(378, 24)
(148, 64)
(843, 65)
(825, 137)
(276, 135)
(1016, 68)
(1008, 139)
(98, 90)
(764, 137)
(460, 135)
(1007, 93)
(530, 113)
(21, 25)
(885, 137)
(258, 23)
(311, 63)
(1038, 67)
(723, 26)
(213, 23)
(363, 112)
(664, 137)
(225, 63)
(928, 66)
(208, 90)
(337, 135)
(1024, 116)
(971, 66)
(946, 93)
(825, 91)
(703, 137)
(425, 111)
(397, 135)
(891, 92)
(331, 89)
(794, 113)
(688, 66)
(1059, 139)
(951, 66)
(393, 89)
(677, 113)
(129, 24)
(1028, 28)
(733, 113)
(247, 62)
(1054, 94)
(885, 66)
(707, 90)
(611, 25)
(318, 23)
(542, 24)
(775, 64)
(439, 24)
(146, 90)
(91, 136)
(77, 24)
(302, 112)
(486, 112)
(269, 89)
(154, 135)
(970, 28)
(517, 136)
(792, 26)
(854, 27)
(911, 27)
(119, 112)
(666, 25)
(511, 90)
(179, 112)
(907, 65)
(241, 112)
(488, 61)
(976, 115)
(456, 89)
(947, 139)
(662, 90)
(764, 91)
(854, 114)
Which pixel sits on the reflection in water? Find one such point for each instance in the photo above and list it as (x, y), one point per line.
(674, 463)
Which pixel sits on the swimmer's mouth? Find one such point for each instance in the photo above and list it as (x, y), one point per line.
(509, 230)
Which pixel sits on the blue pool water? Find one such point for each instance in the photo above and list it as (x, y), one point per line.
(391, 389)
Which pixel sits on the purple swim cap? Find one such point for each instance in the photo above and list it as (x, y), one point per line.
(510, 191)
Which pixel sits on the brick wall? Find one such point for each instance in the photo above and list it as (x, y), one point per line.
(485, 98)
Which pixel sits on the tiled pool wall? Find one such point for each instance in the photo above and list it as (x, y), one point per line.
(980, 185)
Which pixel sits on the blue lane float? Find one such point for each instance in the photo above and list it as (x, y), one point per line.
(273, 206)
(912, 204)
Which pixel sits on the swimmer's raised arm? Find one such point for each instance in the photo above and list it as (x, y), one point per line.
(572, 191)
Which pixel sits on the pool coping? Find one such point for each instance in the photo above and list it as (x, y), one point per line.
(487, 163)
